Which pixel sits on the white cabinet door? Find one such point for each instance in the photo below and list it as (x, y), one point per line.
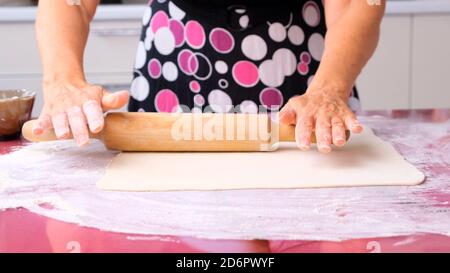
(18, 54)
(385, 81)
(109, 57)
(111, 48)
(431, 61)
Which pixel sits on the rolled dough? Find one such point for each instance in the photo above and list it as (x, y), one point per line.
(365, 161)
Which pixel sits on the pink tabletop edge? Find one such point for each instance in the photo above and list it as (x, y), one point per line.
(23, 231)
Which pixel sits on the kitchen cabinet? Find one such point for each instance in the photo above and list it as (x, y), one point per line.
(411, 66)
(431, 62)
(111, 48)
(385, 81)
(109, 56)
(19, 53)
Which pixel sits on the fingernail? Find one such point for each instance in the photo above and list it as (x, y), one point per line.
(303, 146)
(62, 134)
(111, 99)
(96, 127)
(37, 131)
(357, 126)
(82, 141)
(340, 141)
(324, 148)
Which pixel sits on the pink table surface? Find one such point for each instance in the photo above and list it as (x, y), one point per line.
(23, 231)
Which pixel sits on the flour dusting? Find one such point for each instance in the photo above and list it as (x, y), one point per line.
(57, 180)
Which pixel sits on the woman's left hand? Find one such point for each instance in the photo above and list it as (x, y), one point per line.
(323, 112)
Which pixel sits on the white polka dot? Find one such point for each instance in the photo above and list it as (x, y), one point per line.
(219, 101)
(147, 16)
(141, 56)
(199, 100)
(148, 44)
(248, 107)
(182, 109)
(221, 67)
(270, 74)
(170, 71)
(141, 110)
(285, 60)
(175, 12)
(296, 35)
(277, 32)
(196, 110)
(254, 47)
(243, 21)
(316, 45)
(150, 34)
(149, 37)
(164, 41)
(140, 88)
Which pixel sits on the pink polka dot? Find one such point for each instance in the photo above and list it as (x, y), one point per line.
(194, 86)
(221, 40)
(271, 98)
(303, 68)
(311, 13)
(245, 73)
(159, 20)
(305, 57)
(154, 68)
(177, 29)
(166, 101)
(195, 34)
(187, 62)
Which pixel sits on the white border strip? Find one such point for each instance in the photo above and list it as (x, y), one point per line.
(110, 12)
(135, 12)
(417, 6)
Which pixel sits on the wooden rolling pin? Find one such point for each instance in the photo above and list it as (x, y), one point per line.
(158, 132)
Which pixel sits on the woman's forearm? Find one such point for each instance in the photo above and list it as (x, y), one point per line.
(62, 31)
(350, 41)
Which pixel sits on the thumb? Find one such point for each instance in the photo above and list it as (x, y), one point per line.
(287, 115)
(114, 100)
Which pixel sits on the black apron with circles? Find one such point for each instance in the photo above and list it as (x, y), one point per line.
(227, 56)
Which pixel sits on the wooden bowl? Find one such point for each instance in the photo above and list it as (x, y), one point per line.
(15, 110)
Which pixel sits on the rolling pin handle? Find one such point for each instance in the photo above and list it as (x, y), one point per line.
(47, 135)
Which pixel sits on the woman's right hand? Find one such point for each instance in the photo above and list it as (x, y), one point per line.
(76, 108)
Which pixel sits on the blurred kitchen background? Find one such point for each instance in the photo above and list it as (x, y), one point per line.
(410, 70)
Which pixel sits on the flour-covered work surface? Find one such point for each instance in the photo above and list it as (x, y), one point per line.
(64, 178)
(365, 161)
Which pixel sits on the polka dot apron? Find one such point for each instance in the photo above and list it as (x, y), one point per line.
(239, 56)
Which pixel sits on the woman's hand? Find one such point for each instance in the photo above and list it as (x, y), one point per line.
(353, 29)
(322, 112)
(76, 108)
